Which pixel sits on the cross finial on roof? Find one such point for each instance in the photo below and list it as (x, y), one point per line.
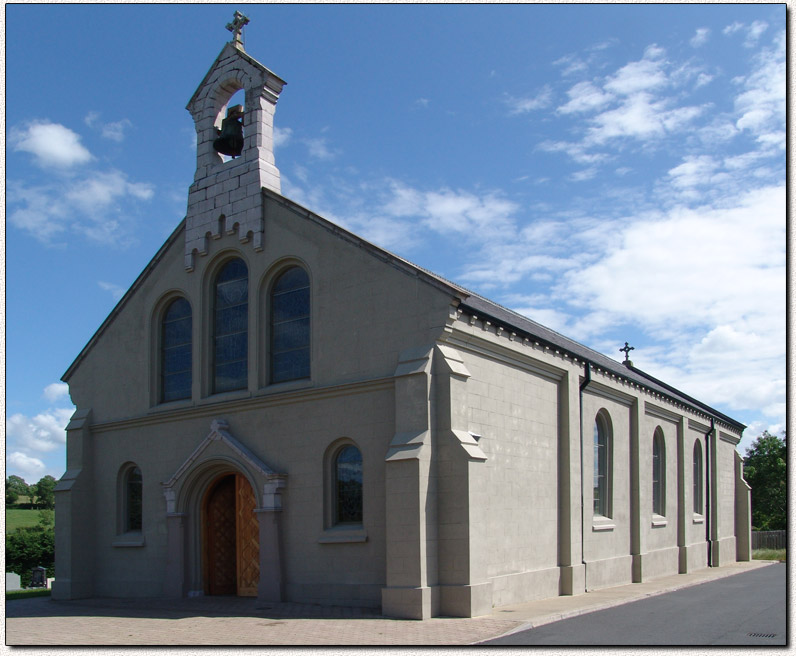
(236, 26)
(626, 350)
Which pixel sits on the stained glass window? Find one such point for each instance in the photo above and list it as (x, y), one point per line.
(175, 363)
(290, 326)
(230, 327)
(133, 500)
(348, 486)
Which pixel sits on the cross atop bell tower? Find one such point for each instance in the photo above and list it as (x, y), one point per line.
(236, 27)
(225, 197)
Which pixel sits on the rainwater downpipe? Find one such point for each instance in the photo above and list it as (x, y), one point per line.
(583, 386)
(707, 492)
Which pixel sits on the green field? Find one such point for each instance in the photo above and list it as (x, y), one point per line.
(16, 518)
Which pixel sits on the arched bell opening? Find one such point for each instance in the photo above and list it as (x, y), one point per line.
(229, 132)
(230, 537)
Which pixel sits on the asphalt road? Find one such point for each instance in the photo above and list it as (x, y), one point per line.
(746, 609)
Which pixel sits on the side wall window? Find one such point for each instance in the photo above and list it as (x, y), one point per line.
(290, 326)
(175, 351)
(347, 486)
(658, 473)
(602, 464)
(231, 327)
(697, 478)
(131, 506)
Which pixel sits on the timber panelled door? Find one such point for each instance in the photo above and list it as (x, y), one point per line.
(231, 538)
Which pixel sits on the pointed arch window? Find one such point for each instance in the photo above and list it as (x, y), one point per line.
(602, 462)
(290, 326)
(175, 354)
(658, 473)
(231, 327)
(698, 478)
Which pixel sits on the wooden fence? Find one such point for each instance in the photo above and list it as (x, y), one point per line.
(769, 539)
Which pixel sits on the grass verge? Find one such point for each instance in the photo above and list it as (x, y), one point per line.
(24, 594)
(769, 554)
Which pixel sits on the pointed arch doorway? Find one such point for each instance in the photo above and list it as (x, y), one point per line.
(230, 537)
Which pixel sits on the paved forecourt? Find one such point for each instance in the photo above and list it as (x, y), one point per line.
(246, 621)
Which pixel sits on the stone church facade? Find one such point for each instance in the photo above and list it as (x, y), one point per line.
(278, 408)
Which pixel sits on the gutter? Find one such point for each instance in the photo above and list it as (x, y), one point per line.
(707, 493)
(583, 386)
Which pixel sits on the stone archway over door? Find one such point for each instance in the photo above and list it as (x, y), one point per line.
(231, 538)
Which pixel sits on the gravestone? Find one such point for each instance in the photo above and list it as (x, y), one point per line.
(38, 577)
(12, 582)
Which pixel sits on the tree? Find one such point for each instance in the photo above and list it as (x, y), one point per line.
(29, 547)
(17, 485)
(11, 494)
(764, 468)
(45, 492)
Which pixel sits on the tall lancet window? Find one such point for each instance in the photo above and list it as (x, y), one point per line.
(231, 327)
(348, 486)
(658, 473)
(697, 478)
(602, 456)
(290, 326)
(175, 356)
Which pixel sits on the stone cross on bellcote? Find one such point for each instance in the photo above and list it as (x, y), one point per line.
(236, 27)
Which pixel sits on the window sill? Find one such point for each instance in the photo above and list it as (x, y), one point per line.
(129, 540)
(600, 523)
(338, 535)
(659, 520)
(698, 519)
(220, 397)
(165, 406)
(287, 386)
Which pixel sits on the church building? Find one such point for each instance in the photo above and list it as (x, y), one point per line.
(239, 432)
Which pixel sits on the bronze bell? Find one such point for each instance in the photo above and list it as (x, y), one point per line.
(230, 139)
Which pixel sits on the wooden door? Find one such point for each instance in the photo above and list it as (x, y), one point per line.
(248, 539)
(220, 540)
(232, 538)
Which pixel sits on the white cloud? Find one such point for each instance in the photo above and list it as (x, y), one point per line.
(319, 148)
(116, 291)
(31, 469)
(540, 100)
(55, 391)
(584, 97)
(115, 131)
(52, 144)
(756, 29)
(732, 29)
(702, 80)
(761, 105)
(282, 136)
(701, 37)
(644, 75)
(94, 205)
(44, 432)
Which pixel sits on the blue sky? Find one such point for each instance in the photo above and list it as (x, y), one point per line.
(615, 172)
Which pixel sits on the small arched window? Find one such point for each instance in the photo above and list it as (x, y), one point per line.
(697, 478)
(290, 326)
(348, 486)
(133, 500)
(175, 353)
(231, 327)
(658, 473)
(602, 457)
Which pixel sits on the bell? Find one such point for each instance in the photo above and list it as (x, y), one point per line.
(230, 139)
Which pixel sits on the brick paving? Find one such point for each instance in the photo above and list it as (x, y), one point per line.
(228, 621)
(209, 621)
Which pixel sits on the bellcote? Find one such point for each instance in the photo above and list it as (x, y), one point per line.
(226, 194)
